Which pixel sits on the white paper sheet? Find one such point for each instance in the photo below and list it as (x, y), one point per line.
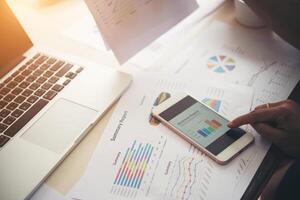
(168, 41)
(130, 25)
(251, 57)
(85, 31)
(45, 192)
(173, 168)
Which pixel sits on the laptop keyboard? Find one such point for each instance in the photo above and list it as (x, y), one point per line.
(29, 90)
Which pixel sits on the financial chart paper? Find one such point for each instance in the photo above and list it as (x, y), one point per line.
(130, 25)
(139, 158)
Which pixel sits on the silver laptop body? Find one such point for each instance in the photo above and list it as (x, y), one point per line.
(42, 119)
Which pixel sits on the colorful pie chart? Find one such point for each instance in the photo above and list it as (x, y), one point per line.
(221, 64)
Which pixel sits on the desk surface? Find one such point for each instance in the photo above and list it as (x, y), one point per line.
(44, 23)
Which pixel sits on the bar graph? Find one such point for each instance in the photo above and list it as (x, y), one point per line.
(210, 127)
(131, 172)
(213, 103)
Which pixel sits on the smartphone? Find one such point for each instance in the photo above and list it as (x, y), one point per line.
(203, 127)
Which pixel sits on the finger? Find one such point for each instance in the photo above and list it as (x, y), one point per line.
(256, 116)
(271, 105)
(269, 132)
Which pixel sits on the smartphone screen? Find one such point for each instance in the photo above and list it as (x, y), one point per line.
(201, 124)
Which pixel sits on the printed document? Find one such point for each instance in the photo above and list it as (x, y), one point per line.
(45, 192)
(86, 32)
(130, 25)
(139, 158)
(251, 57)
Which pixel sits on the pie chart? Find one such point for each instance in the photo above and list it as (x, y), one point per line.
(221, 64)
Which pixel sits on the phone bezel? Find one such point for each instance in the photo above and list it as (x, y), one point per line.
(225, 155)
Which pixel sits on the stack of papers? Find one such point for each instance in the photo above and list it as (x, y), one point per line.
(168, 167)
(232, 72)
(174, 169)
(250, 57)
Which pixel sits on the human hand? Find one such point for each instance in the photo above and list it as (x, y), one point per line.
(279, 122)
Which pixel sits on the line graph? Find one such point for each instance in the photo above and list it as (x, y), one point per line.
(278, 82)
(189, 178)
(262, 69)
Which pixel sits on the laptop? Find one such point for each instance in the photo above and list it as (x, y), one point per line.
(47, 105)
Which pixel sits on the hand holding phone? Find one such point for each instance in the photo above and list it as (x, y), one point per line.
(203, 127)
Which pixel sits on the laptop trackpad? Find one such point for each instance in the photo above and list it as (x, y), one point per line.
(60, 126)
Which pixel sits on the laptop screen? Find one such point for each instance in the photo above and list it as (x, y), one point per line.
(13, 39)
